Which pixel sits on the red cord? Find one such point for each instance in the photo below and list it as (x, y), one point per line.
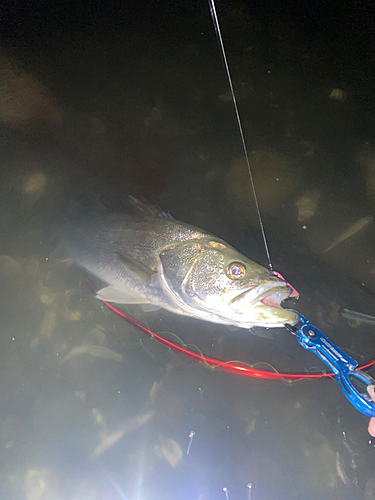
(229, 366)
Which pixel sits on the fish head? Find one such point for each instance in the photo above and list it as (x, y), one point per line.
(213, 281)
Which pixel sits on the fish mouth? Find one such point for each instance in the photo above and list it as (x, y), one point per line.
(271, 294)
(263, 305)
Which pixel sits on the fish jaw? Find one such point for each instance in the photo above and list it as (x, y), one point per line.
(273, 317)
(262, 306)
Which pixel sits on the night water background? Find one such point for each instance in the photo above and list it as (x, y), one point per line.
(134, 99)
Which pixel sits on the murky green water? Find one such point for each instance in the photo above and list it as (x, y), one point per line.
(92, 408)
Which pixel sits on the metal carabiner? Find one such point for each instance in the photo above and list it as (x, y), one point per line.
(343, 367)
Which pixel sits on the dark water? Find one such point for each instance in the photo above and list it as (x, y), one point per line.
(138, 103)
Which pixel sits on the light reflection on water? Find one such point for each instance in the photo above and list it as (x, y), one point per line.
(93, 409)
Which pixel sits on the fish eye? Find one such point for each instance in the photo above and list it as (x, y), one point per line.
(236, 270)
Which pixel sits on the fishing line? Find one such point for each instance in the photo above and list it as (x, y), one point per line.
(323, 351)
(215, 21)
(214, 363)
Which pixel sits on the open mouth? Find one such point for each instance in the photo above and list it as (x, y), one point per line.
(262, 306)
(271, 295)
(275, 297)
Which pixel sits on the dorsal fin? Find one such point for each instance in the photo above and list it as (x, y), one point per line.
(146, 209)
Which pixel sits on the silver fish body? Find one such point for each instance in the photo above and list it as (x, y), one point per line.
(151, 259)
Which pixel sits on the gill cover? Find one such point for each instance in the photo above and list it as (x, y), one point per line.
(177, 263)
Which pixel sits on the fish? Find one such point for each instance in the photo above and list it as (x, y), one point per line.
(149, 258)
(351, 231)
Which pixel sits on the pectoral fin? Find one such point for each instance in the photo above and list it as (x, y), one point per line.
(121, 295)
(136, 267)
